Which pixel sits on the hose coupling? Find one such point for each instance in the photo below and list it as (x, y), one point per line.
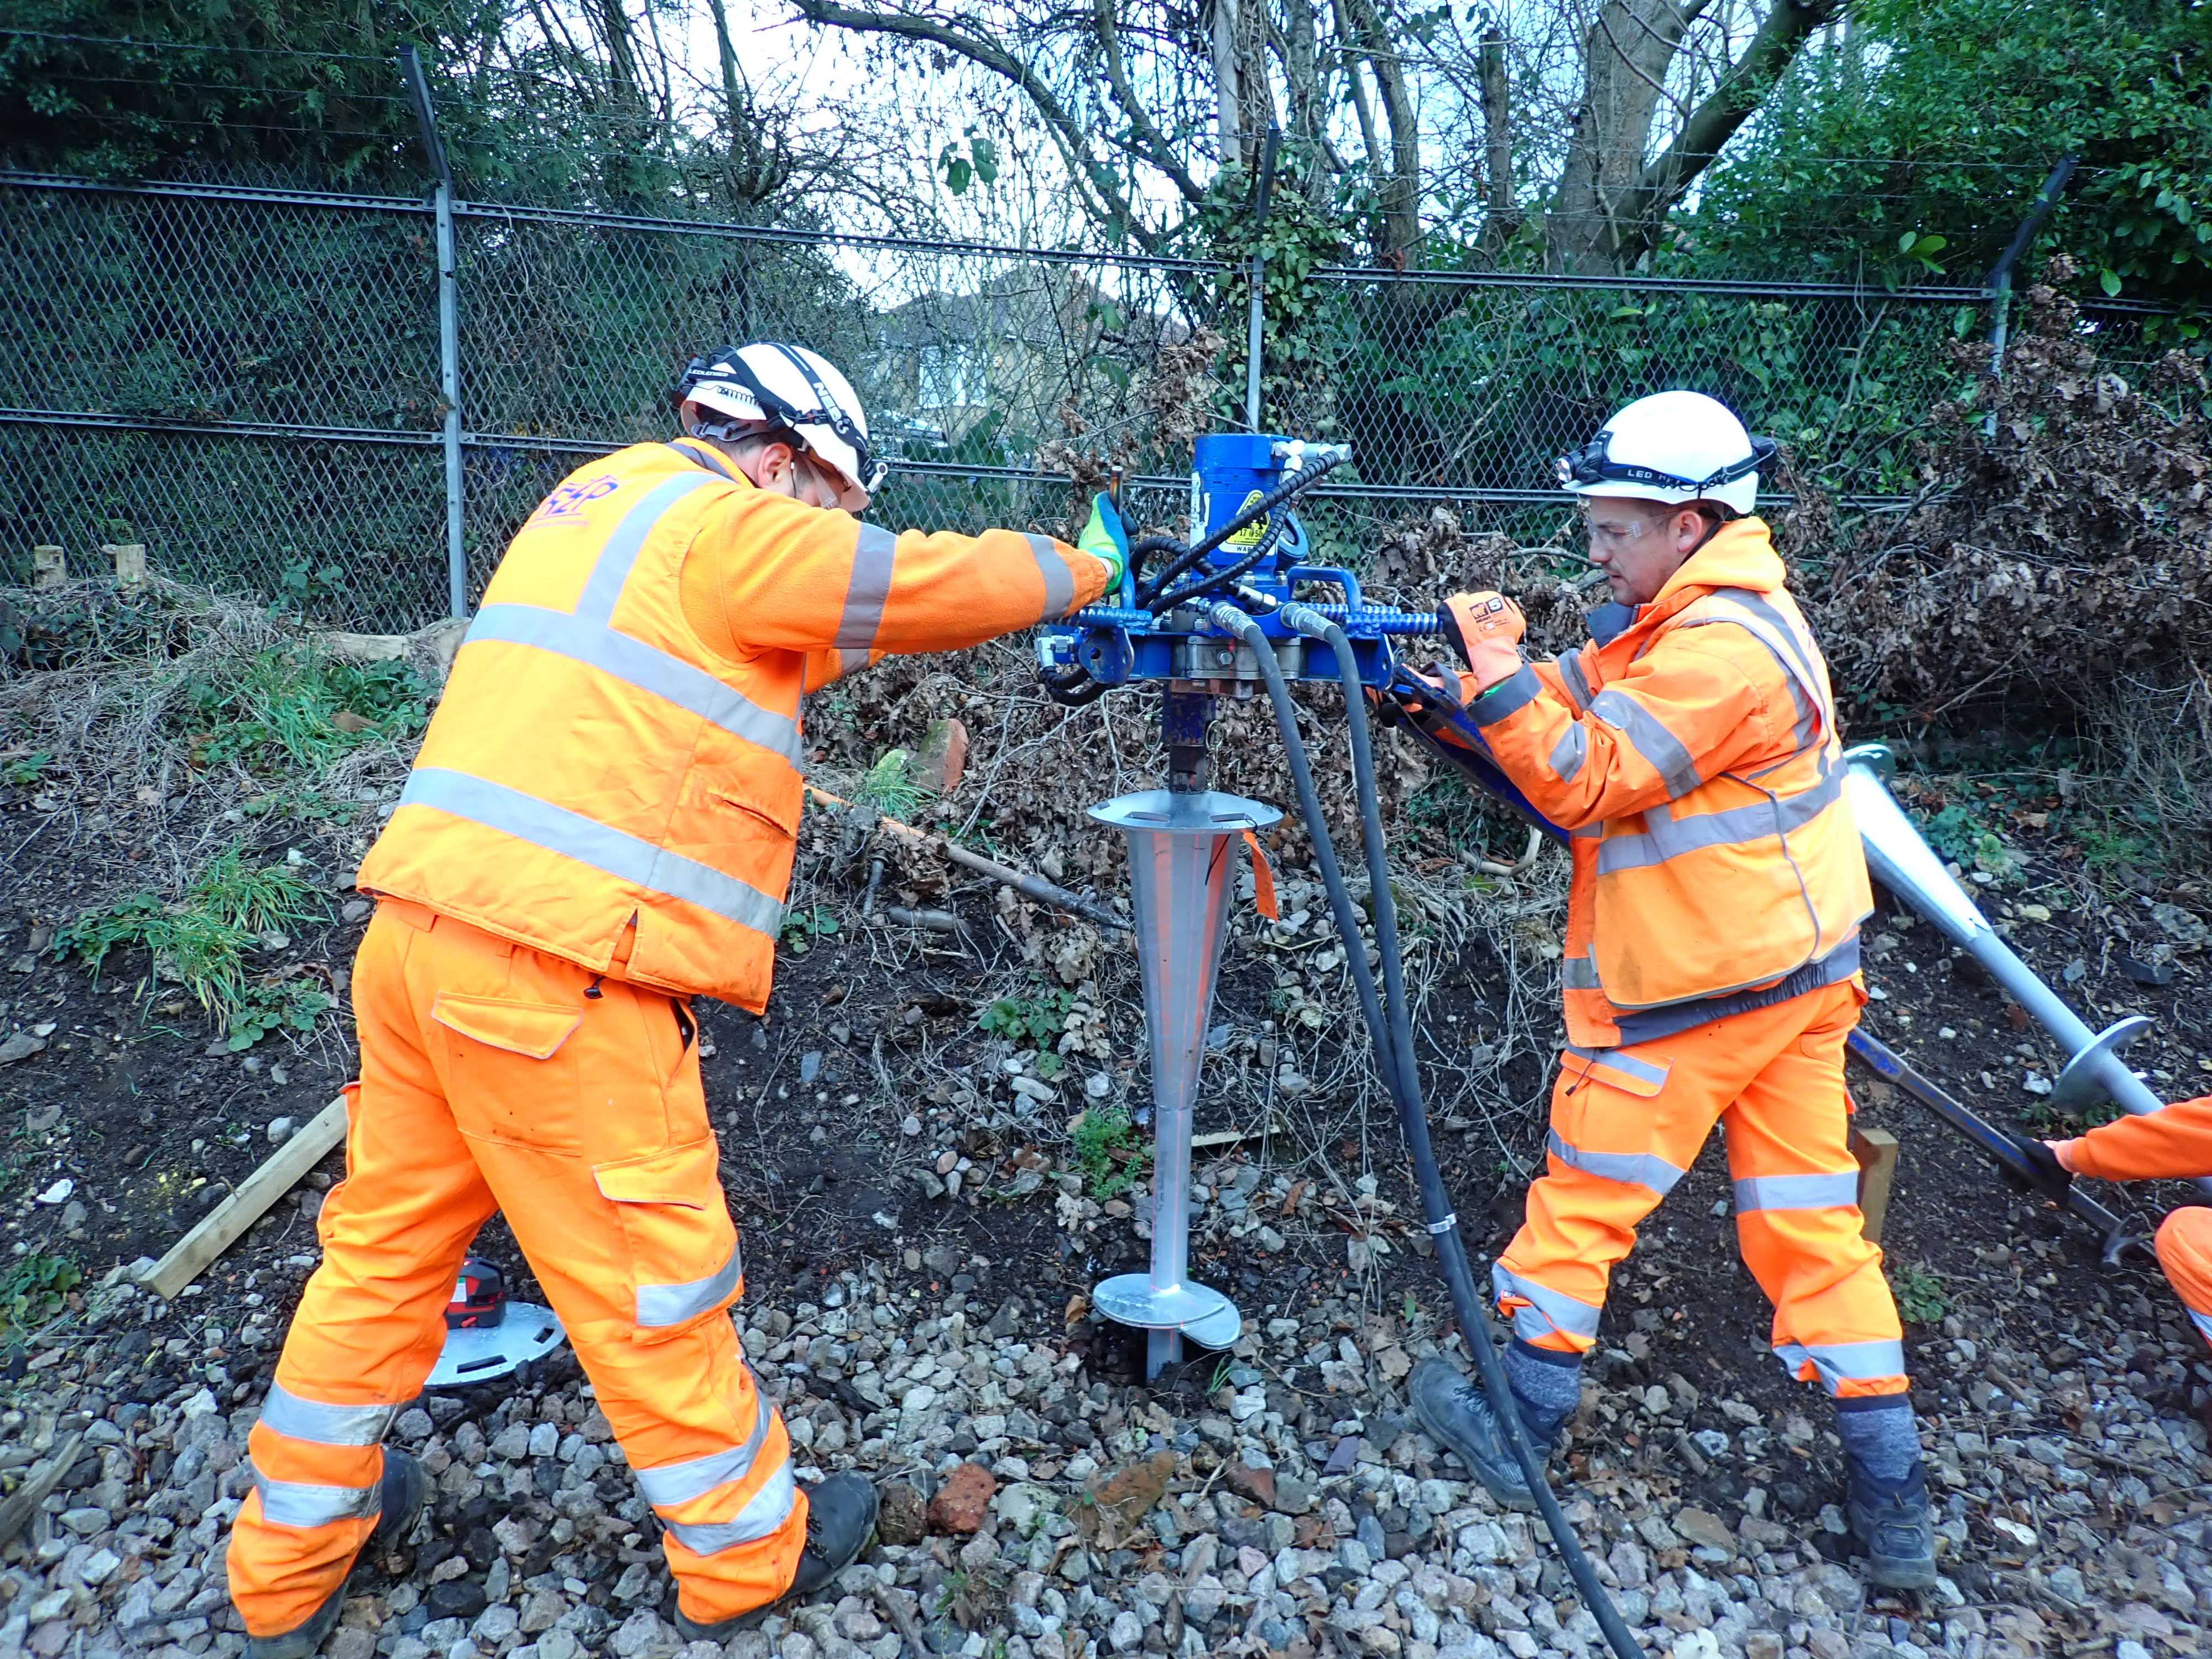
(1228, 618)
(1304, 619)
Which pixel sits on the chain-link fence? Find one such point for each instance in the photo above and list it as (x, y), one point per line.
(247, 381)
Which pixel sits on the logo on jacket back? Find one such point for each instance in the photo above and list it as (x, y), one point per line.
(567, 501)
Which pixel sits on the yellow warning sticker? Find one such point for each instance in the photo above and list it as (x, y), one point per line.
(1250, 534)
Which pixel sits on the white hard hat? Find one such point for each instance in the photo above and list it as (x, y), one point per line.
(788, 387)
(1671, 446)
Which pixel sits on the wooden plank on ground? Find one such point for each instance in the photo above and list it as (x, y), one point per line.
(220, 1225)
(1876, 1152)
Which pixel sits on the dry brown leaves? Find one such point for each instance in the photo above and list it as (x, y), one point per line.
(2073, 543)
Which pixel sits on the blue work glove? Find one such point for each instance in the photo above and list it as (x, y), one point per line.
(1104, 538)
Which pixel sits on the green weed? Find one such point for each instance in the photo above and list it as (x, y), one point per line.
(1029, 1022)
(1921, 1298)
(276, 1006)
(2104, 849)
(801, 928)
(293, 705)
(1959, 836)
(32, 1290)
(889, 787)
(23, 770)
(1110, 1149)
(200, 940)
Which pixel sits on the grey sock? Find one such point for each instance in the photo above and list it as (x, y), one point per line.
(1546, 1385)
(1879, 1435)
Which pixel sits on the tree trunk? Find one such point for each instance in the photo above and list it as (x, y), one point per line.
(1625, 55)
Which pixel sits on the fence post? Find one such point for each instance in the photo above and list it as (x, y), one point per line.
(2000, 283)
(449, 332)
(1259, 270)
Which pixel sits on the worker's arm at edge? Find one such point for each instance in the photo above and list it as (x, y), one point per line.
(2176, 1141)
(788, 576)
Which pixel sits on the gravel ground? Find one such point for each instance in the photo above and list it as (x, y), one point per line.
(1031, 1511)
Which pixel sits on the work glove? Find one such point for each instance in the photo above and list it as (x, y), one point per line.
(1104, 538)
(2045, 1174)
(1484, 630)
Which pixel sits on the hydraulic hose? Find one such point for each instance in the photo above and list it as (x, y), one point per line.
(1304, 478)
(1394, 1049)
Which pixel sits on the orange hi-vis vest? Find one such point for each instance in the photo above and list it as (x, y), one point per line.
(1693, 757)
(599, 783)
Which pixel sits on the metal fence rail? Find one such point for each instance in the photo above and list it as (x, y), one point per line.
(248, 380)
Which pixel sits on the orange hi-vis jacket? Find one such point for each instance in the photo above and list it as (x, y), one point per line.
(595, 764)
(1694, 760)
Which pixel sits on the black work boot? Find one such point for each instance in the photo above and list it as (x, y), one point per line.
(1893, 1528)
(401, 1494)
(1456, 1410)
(840, 1522)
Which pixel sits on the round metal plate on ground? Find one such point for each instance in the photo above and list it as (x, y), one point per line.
(2077, 1085)
(479, 1353)
(1199, 1312)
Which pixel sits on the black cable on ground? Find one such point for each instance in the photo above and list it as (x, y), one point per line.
(1393, 1048)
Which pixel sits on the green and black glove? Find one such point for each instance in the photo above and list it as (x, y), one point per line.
(1104, 538)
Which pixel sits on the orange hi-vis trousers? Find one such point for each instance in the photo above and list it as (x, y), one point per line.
(1627, 1125)
(496, 1078)
(2176, 1142)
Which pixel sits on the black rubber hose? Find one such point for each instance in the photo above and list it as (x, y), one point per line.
(1073, 687)
(1151, 544)
(1394, 1049)
(1302, 479)
(1159, 603)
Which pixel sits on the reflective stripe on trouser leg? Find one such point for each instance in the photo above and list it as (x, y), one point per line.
(727, 1500)
(370, 1322)
(1798, 1223)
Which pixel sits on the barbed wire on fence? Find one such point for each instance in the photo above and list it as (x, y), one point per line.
(247, 379)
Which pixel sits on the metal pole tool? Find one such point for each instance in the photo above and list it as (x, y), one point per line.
(1901, 861)
(1182, 848)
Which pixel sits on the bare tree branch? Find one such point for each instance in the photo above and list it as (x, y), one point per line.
(1726, 107)
(1100, 196)
(1156, 148)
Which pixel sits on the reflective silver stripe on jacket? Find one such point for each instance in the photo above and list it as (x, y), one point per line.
(1578, 684)
(1642, 1070)
(2203, 1322)
(673, 1484)
(1759, 616)
(322, 1424)
(1661, 750)
(1509, 696)
(1552, 1310)
(1838, 1363)
(573, 835)
(1578, 974)
(1629, 1169)
(297, 1503)
(1570, 752)
(1663, 838)
(1798, 1192)
(1058, 580)
(671, 1304)
(635, 663)
(869, 591)
(612, 567)
(769, 1509)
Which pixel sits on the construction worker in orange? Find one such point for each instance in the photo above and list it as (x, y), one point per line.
(599, 827)
(2176, 1142)
(1710, 965)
